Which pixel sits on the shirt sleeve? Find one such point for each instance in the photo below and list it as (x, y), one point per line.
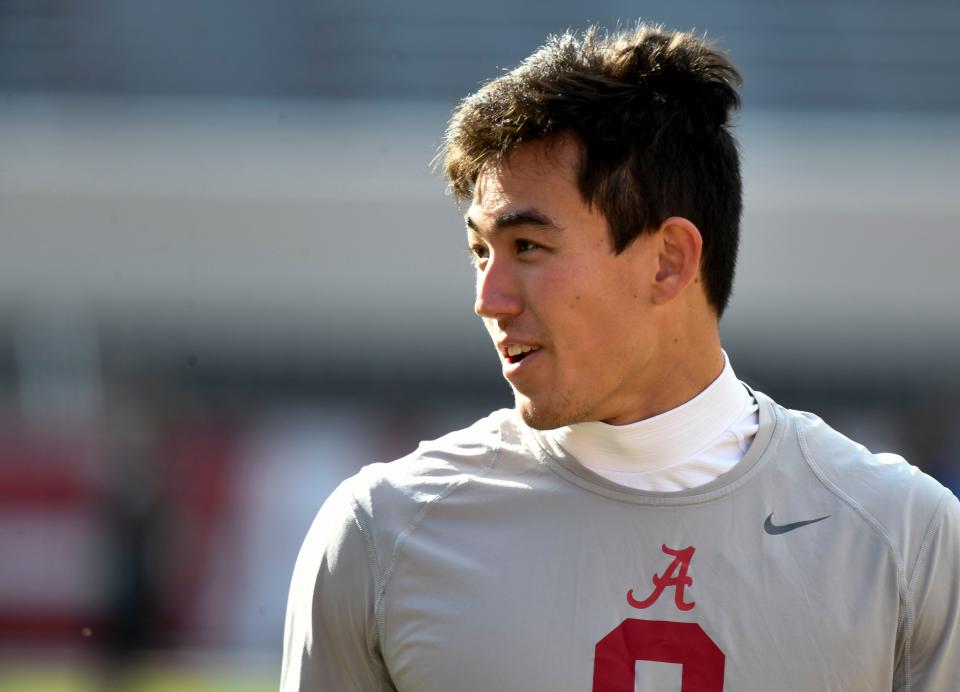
(330, 634)
(934, 652)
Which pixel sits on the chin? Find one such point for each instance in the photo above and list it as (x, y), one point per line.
(542, 415)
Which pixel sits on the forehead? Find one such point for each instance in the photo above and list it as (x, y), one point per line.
(540, 176)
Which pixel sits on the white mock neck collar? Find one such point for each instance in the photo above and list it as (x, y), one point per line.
(658, 442)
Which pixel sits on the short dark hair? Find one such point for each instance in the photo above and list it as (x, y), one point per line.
(651, 111)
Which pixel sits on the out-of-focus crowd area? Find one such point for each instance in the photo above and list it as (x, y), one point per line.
(229, 278)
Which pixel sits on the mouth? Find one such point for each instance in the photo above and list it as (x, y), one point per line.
(516, 353)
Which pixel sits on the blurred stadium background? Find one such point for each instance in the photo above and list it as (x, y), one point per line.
(228, 278)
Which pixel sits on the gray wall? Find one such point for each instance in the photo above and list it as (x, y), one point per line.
(873, 54)
(248, 181)
(310, 230)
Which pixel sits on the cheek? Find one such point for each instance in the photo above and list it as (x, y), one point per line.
(566, 290)
(589, 330)
(605, 327)
(582, 308)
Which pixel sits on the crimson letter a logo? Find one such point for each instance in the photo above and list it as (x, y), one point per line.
(680, 565)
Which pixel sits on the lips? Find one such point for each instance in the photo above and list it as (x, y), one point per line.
(515, 353)
(518, 359)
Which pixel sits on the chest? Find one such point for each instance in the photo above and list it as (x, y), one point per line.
(639, 598)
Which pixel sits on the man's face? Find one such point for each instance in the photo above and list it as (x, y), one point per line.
(549, 285)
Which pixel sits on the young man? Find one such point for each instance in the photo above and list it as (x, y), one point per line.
(640, 520)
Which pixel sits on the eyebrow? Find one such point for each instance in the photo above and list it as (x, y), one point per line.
(512, 219)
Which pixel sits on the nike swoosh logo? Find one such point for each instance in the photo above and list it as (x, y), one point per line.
(775, 530)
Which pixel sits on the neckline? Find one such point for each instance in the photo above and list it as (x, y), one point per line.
(769, 434)
(657, 443)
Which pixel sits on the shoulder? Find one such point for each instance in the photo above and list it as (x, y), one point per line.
(898, 500)
(871, 480)
(434, 465)
(388, 497)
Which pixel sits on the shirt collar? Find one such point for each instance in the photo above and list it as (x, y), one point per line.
(656, 442)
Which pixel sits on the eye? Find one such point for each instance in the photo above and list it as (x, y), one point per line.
(478, 253)
(523, 245)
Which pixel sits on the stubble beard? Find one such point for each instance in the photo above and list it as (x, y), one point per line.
(549, 415)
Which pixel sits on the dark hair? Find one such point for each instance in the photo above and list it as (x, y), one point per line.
(650, 109)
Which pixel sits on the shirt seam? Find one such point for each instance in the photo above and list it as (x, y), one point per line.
(933, 526)
(936, 521)
(902, 586)
(373, 563)
(413, 525)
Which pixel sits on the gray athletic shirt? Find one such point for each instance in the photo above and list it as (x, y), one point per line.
(480, 562)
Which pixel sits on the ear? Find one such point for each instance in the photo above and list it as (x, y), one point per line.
(681, 246)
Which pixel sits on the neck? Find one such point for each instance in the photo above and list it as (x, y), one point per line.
(690, 362)
(665, 440)
(684, 448)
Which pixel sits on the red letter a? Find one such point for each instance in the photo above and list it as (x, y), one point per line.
(681, 561)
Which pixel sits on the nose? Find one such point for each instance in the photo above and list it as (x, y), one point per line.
(498, 291)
